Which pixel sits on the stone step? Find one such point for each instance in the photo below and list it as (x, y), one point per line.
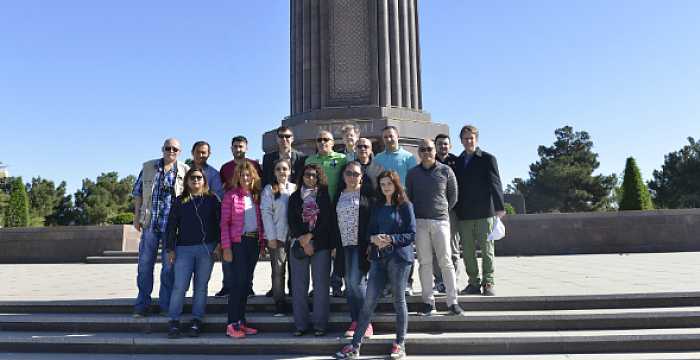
(536, 342)
(117, 253)
(470, 303)
(121, 259)
(496, 321)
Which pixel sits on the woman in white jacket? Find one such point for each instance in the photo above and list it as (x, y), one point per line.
(274, 215)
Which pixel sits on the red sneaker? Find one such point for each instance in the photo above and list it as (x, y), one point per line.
(235, 331)
(369, 332)
(351, 330)
(248, 330)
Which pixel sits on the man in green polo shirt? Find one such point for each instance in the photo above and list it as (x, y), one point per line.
(331, 161)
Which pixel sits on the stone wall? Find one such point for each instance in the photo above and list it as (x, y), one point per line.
(601, 233)
(64, 243)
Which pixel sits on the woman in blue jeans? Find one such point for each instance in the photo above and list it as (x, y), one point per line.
(191, 243)
(353, 203)
(392, 230)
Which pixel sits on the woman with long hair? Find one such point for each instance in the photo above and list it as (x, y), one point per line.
(275, 198)
(242, 238)
(353, 211)
(311, 218)
(392, 230)
(191, 243)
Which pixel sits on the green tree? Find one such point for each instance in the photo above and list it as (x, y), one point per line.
(677, 184)
(44, 196)
(63, 214)
(108, 196)
(635, 194)
(562, 180)
(17, 211)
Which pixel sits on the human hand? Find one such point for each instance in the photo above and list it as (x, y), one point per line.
(273, 244)
(137, 224)
(308, 249)
(228, 255)
(171, 257)
(216, 254)
(501, 214)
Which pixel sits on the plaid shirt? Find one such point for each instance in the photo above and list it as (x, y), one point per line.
(162, 198)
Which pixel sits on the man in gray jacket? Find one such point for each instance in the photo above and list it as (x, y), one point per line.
(432, 188)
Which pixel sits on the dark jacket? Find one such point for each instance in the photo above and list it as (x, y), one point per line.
(480, 191)
(366, 201)
(400, 223)
(268, 167)
(325, 235)
(450, 160)
(184, 227)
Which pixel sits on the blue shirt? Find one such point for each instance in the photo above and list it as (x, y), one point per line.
(162, 198)
(214, 181)
(400, 161)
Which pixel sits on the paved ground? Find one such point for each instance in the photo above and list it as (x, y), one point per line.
(515, 276)
(649, 356)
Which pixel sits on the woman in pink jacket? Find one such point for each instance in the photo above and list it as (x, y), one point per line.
(241, 239)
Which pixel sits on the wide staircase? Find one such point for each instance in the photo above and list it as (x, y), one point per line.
(631, 323)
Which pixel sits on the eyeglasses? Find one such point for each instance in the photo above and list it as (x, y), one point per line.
(425, 149)
(322, 140)
(285, 136)
(352, 173)
(170, 149)
(196, 178)
(362, 146)
(310, 175)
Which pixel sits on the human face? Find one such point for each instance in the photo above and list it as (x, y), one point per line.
(443, 146)
(324, 143)
(363, 148)
(352, 176)
(391, 139)
(282, 172)
(171, 149)
(246, 179)
(426, 150)
(201, 154)
(310, 178)
(284, 140)
(350, 138)
(196, 182)
(470, 142)
(387, 187)
(238, 149)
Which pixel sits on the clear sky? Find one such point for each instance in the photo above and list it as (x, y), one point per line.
(92, 86)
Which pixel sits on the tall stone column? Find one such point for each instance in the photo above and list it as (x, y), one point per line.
(355, 61)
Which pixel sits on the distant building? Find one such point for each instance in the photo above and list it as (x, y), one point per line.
(4, 174)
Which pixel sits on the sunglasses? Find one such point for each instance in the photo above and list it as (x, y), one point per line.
(310, 175)
(285, 136)
(171, 149)
(353, 173)
(425, 149)
(196, 177)
(362, 146)
(322, 140)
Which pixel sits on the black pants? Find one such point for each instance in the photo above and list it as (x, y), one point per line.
(245, 257)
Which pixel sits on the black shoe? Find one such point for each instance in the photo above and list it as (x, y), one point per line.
(195, 328)
(455, 309)
(337, 293)
(320, 333)
(269, 293)
(279, 309)
(139, 313)
(222, 293)
(426, 310)
(488, 290)
(173, 329)
(471, 290)
(251, 293)
(299, 333)
(440, 288)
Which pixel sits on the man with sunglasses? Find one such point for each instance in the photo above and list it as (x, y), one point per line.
(285, 139)
(432, 188)
(332, 163)
(159, 182)
(370, 168)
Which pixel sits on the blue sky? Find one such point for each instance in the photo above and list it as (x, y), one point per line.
(88, 87)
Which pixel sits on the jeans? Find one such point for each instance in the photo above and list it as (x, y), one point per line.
(473, 232)
(434, 235)
(338, 271)
(148, 252)
(380, 271)
(355, 281)
(189, 260)
(245, 257)
(278, 261)
(456, 244)
(320, 264)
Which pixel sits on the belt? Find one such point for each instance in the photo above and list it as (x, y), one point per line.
(252, 234)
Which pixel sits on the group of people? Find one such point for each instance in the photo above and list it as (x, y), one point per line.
(352, 217)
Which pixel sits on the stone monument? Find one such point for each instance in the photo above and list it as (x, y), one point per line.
(355, 61)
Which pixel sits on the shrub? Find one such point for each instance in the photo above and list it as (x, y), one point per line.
(124, 218)
(635, 194)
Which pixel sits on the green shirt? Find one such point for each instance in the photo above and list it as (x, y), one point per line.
(332, 164)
